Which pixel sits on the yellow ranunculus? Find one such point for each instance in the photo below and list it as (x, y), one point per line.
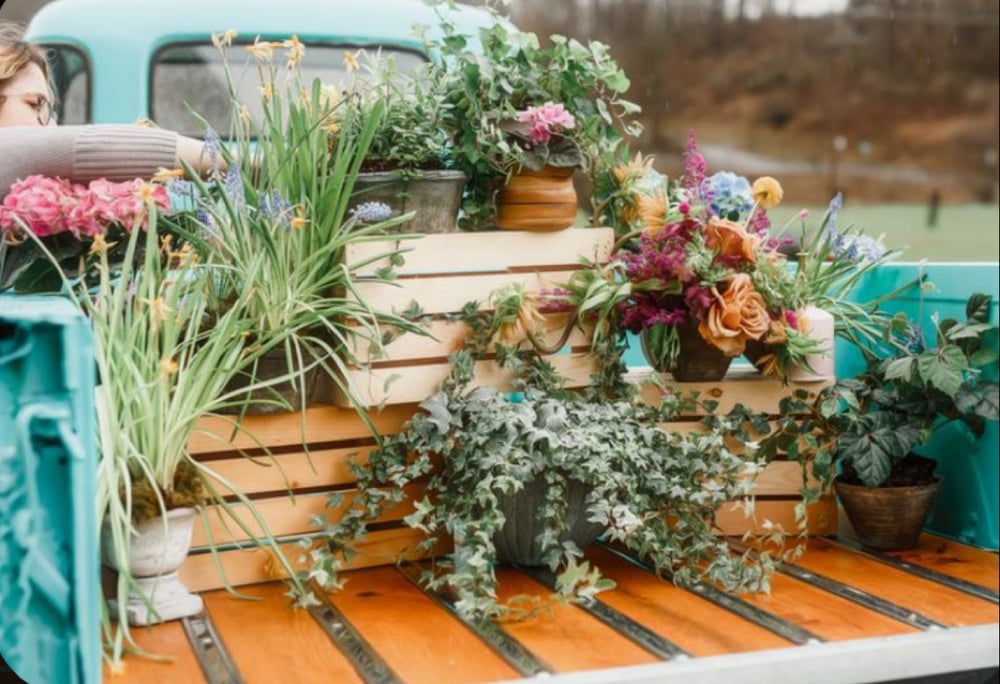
(767, 192)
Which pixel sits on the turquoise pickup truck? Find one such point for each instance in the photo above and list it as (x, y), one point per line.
(116, 61)
(844, 617)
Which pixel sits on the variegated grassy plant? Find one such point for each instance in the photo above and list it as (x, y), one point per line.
(282, 204)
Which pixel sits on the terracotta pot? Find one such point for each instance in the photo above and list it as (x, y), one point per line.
(887, 517)
(543, 200)
(697, 361)
(517, 542)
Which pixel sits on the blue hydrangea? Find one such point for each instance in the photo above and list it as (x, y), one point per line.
(857, 247)
(372, 212)
(729, 195)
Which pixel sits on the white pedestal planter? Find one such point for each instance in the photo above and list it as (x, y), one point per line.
(156, 553)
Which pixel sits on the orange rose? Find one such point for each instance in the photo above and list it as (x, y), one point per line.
(736, 315)
(729, 238)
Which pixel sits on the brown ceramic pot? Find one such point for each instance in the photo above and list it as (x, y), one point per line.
(887, 518)
(543, 200)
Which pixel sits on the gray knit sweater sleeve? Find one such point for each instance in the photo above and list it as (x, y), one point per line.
(84, 153)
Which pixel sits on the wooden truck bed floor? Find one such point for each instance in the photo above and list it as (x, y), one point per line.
(837, 615)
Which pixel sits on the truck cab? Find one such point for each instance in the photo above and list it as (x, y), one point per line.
(118, 61)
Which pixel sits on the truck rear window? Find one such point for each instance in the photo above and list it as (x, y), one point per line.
(71, 78)
(189, 79)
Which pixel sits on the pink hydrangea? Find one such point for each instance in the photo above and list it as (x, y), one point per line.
(545, 120)
(40, 203)
(50, 206)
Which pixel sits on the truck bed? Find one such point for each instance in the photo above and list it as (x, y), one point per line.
(839, 614)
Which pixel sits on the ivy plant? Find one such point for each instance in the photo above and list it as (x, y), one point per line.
(655, 492)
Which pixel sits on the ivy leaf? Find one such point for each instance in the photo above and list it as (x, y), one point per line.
(982, 357)
(943, 368)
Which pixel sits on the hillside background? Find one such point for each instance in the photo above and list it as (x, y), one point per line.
(885, 100)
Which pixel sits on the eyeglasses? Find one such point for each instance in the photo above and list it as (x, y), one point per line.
(42, 106)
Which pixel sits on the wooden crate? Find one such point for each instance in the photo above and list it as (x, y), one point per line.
(289, 464)
(777, 488)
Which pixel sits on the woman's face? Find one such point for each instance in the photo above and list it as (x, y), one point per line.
(24, 99)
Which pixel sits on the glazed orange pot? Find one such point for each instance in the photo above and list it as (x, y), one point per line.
(543, 200)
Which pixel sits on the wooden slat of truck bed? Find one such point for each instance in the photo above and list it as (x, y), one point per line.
(166, 641)
(567, 638)
(937, 602)
(951, 558)
(417, 639)
(693, 623)
(273, 643)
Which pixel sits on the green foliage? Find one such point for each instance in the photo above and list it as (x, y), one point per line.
(654, 491)
(869, 424)
(408, 109)
(488, 78)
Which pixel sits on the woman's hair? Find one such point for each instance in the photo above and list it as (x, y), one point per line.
(16, 53)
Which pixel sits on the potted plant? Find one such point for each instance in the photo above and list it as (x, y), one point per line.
(278, 207)
(532, 477)
(872, 426)
(409, 164)
(492, 80)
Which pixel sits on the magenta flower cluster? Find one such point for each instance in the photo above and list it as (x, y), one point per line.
(51, 206)
(546, 120)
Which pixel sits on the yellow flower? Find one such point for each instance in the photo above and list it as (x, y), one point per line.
(163, 175)
(221, 40)
(158, 308)
(767, 192)
(266, 92)
(653, 212)
(295, 51)
(145, 192)
(768, 365)
(634, 170)
(144, 122)
(262, 51)
(168, 366)
(244, 114)
(351, 61)
(299, 221)
(100, 245)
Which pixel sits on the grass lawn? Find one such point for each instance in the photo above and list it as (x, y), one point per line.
(964, 232)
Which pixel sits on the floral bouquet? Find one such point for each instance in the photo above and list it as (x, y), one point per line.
(67, 220)
(704, 269)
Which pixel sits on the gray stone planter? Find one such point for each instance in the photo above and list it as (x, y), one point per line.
(435, 196)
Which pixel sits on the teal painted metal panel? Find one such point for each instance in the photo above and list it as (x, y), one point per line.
(49, 589)
(968, 503)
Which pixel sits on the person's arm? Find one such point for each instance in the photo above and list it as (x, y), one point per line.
(85, 153)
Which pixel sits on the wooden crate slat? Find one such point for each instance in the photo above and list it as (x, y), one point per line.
(284, 516)
(732, 521)
(415, 383)
(250, 566)
(492, 251)
(742, 385)
(324, 424)
(448, 336)
(298, 470)
(448, 294)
